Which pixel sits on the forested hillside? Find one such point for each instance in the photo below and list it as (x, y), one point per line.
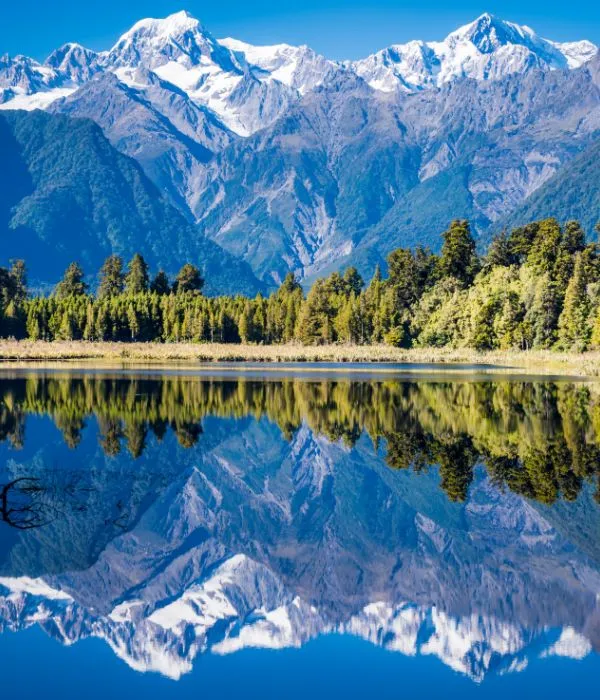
(573, 192)
(68, 194)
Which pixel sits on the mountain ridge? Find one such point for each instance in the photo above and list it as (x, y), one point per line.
(295, 163)
(72, 196)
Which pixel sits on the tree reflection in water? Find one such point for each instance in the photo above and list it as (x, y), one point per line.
(539, 439)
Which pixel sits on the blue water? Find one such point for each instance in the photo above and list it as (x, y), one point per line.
(335, 666)
(189, 536)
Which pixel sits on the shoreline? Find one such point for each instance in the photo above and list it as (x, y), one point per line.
(15, 354)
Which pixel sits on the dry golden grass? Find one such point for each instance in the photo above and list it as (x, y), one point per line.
(14, 353)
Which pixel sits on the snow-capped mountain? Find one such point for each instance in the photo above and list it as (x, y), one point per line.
(297, 66)
(294, 162)
(75, 63)
(486, 49)
(181, 51)
(249, 86)
(27, 84)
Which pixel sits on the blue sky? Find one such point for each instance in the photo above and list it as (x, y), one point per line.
(336, 28)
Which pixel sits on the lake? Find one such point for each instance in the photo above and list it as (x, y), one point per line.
(261, 534)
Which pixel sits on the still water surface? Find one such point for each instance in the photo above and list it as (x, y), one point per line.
(185, 535)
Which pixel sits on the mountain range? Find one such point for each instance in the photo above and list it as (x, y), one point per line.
(290, 161)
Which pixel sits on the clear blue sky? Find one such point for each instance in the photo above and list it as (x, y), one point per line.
(336, 28)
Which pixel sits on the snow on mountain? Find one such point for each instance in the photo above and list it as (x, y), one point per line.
(172, 96)
(249, 86)
(27, 84)
(75, 63)
(487, 49)
(243, 605)
(297, 66)
(181, 51)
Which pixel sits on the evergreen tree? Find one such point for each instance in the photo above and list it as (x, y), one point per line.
(508, 323)
(459, 257)
(111, 278)
(316, 321)
(18, 277)
(521, 240)
(160, 284)
(245, 324)
(403, 278)
(72, 283)
(188, 279)
(544, 312)
(354, 282)
(137, 280)
(573, 238)
(545, 247)
(373, 300)
(574, 324)
(500, 252)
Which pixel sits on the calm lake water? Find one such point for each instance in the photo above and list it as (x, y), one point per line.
(273, 535)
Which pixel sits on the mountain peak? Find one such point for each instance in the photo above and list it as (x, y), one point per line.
(172, 25)
(488, 32)
(154, 42)
(488, 48)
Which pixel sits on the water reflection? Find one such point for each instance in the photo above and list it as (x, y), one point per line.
(541, 440)
(177, 516)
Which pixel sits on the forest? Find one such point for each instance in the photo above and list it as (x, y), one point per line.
(535, 287)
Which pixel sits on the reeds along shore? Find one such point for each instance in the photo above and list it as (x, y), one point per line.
(539, 362)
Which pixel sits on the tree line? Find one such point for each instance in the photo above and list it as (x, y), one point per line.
(536, 287)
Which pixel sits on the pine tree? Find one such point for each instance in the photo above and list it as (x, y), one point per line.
(403, 278)
(373, 297)
(111, 278)
(459, 257)
(18, 276)
(574, 323)
(508, 323)
(72, 283)
(136, 280)
(160, 284)
(354, 282)
(544, 312)
(573, 237)
(245, 324)
(102, 325)
(188, 279)
(500, 252)
(133, 322)
(545, 247)
(316, 321)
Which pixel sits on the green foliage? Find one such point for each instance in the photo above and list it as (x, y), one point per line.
(112, 280)
(538, 287)
(574, 323)
(160, 284)
(459, 257)
(137, 280)
(72, 283)
(188, 280)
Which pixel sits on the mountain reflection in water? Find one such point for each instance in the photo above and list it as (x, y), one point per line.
(178, 516)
